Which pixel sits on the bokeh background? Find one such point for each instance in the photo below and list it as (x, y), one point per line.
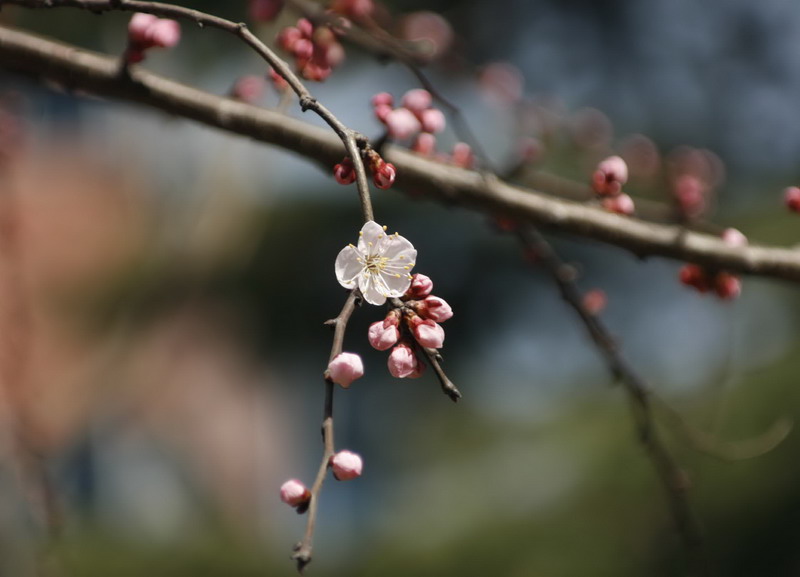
(163, 288)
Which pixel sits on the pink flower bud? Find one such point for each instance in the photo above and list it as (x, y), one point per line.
(594, 301)
(401, 123)
(427, 332)
(733, 237)
(691, 193)
(424, 144)
(610, 175)
(435, 309)
(346, 465)
(287, 37)
(305, 27)
(727, 286)
(345, 368)
(249, 89)
(462, 155)
(278, 81)
(383, 335)
(417, 100)
(138, 26)
(294, 493)
(403, 362)
(382, 99)
(621, 204)
(791, 197)
(695, 276)
(164, 33)
(421, 286)
(344, 172)
(265, 10)
(302, 49)
(382, 111)
(334, 54)
(385, 175)
(432, 120)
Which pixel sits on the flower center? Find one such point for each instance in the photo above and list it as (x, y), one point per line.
(374, 264)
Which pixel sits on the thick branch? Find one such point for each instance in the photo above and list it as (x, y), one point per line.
(79, 69)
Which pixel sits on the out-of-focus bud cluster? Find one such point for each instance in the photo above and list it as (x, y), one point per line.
(316, 49)
(692, 176)
(383, 173)
(417, 118)
(416, 114)
(146, 31)
(414, 325)
(607, 182)
(726, 285)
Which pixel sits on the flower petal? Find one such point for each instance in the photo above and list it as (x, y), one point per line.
(396, 284)
(399, 248)
(374, 292)
(369, 237)
(348, 266)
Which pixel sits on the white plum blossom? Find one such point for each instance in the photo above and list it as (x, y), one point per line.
(379, 266)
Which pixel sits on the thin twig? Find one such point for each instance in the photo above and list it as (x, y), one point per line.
(673, 479)
(302, 551)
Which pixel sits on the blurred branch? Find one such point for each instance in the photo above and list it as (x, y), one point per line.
(673, 478)
(89, 72)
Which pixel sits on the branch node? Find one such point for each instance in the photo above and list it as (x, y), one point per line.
(307, 102)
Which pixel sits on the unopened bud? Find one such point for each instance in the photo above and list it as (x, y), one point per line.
(403, 363)
(345, 368)
(435, 309)
(294, 493)
(385, 175)
(346, 465)
(421, 286)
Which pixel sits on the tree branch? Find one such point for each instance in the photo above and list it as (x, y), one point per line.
(672, 477)
(87, 71)
(302, 551)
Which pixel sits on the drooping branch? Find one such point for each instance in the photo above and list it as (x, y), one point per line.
(302, 551)
(673, 478)
(86, 71)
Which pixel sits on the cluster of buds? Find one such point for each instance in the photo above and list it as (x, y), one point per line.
(415, 324)
(726, 285)
(607, 181)
(416, 114)
(383, 173)
(146, 31)
(315, 49)
(791, 198)
(345, 466)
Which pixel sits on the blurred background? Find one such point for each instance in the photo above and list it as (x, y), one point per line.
(163, 288)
